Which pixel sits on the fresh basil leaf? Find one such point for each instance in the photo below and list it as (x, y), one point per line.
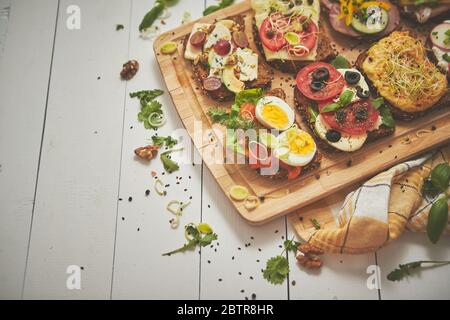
(386, 117)
(312, 114)
(331, 107)
(346, 97)
(437, 219)
(152, 15)
(340, 62)
(446, 57)
(440, 177)
(378, 102)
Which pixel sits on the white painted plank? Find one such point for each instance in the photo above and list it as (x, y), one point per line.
(341, 277)
(76, 201)
(427, 284)
(230, 266)
(24, 73)
(140, 272)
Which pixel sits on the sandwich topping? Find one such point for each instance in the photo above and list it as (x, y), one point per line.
(224, 49)
(340, 111)
(440, 38)
(399, 68)
(288, 29)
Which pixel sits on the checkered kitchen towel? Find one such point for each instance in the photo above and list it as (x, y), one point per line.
(374, 214)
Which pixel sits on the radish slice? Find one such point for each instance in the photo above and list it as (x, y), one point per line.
(440, 36)
(258, 150)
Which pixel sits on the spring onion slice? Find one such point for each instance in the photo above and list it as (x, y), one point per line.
(156, 120)
(159, 187)
(176, 208)
(251, 202)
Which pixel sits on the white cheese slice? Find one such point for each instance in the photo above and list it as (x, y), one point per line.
(362, 83)
(247, 61)
(217, 63)
(439, 54)
(262, 10)
(347, 143)
(220, 32)
(192, 52)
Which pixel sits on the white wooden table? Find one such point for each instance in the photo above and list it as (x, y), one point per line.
(67, 133)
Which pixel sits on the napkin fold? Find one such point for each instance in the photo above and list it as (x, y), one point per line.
(375, 213)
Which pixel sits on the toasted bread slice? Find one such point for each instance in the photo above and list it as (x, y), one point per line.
(325, 51)
(302, 103)
(396, 112)
(201, 72)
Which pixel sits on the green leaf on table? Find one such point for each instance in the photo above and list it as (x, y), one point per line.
(195, 238)
(152, 15)
(277, 269)
(213, 8)
(160, 141)
(169, 165)
(291, 245)
(405, 270)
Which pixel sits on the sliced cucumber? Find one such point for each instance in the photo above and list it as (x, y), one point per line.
(376, 22)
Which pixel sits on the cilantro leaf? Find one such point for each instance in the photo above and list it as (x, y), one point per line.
(291, 245)
(195, 238)
(160, 141)
(277, 269)
(169, 165)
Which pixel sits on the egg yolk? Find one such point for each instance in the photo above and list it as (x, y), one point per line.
(300, 142)
(275, 116)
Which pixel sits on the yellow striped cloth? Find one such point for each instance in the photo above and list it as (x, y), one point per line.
(374, 214)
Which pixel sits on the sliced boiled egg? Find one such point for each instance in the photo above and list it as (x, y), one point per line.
(295, 147)
(274, 113)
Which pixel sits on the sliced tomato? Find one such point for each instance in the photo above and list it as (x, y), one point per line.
(349, 123)
(333, 86)
(247, 111)
(270, 38)
(309, 35)
(293, 172)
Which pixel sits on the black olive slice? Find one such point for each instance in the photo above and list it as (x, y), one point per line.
(333, 135)
(352, 77)
(317, 85)
(363, 94)
(321, 74)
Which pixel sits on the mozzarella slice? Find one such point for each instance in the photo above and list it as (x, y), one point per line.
(347, 143)
(247, 61)
(191, 52)
(362, 83)
(220, 32)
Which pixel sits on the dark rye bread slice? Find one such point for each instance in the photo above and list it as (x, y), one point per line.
(201, 72)
(313, 165)
(302, 103)
(324, 51)
(396, 112)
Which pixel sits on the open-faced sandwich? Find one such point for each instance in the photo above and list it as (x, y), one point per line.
(439, 41)
(289, 33)
(362, 18)
(276, 147)
(338, 107)
(423, 10)
(399, 69)
(222, 60)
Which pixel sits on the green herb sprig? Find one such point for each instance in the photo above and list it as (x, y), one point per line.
(405, 270)
(437, 186)
(160, 141)
(149, 105)
(196, 235)
(277, 268)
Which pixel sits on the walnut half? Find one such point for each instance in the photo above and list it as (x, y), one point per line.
(129, 70)
(147, 152)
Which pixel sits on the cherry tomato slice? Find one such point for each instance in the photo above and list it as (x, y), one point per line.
(270, 38)
(247, 111)
(293, 172)
(333, 86)
(355, 119)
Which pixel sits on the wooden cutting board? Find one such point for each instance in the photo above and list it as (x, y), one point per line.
(337, 171)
